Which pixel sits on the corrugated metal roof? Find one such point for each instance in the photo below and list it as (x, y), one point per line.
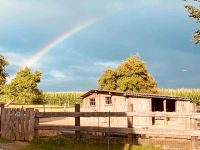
(135, 94)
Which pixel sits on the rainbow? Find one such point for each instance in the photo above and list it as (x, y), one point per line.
(44, 50)
(41, 52)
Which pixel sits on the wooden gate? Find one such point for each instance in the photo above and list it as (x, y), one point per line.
(17, 124)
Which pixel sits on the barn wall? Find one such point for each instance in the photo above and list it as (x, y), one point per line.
(184, 106)
(141, 105)
(120, 104)
(86, 103)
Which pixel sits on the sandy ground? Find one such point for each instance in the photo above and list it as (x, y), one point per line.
(101, 122)
(12, 146)
(83, 121)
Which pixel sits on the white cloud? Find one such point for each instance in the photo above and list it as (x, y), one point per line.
(119, 5)
(61, 76)
(57, 75)
(96, 66)
(110, 64)
(17, 60)
(14, 59)
(184, 70)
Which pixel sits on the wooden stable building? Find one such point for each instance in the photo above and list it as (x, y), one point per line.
(104, 101)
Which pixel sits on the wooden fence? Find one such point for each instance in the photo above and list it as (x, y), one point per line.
(20, 124)
(17, 124)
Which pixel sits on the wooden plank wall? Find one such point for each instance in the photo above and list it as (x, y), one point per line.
(17, 124)
(184, 107)
(142, 105)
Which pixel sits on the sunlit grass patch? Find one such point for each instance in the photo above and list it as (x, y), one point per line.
(62, 143)
(4, 140)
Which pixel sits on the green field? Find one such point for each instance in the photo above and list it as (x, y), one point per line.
(193, 94)
(62, 143)
(69, 99)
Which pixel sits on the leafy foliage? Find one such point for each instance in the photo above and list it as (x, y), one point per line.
(108, 81)
(3, 74)
(194, 12)
(60, 98)
(194, 94)
(130, 76)
(23, 88)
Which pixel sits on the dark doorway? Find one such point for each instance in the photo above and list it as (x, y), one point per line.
(170, 105)
(157, 104)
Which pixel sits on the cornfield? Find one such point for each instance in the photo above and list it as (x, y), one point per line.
(70, 98)
(62, 98)
(193, 94)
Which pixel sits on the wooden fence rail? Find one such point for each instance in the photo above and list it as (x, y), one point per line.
(171, 132)
(20, 124)
(117, 114)
(130, 130)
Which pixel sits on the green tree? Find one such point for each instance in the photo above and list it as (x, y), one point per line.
(3, 74)
(194, 12)
(107, 81)
(24, 87)
(130, 76)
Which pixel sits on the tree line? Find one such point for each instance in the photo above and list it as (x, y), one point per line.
(130, 76)
(23, 88)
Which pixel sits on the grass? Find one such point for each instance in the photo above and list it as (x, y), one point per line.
(4, 140)
(62, 143)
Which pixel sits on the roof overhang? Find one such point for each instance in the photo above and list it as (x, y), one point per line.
(134, 94)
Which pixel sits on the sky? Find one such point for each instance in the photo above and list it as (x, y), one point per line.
(73, 41)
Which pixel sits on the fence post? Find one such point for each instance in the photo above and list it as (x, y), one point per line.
(43, 107)
(36, 124)
(65, 107)
(2, 107)
(130, 123)
(194, 139)
(77, 122)
(194, 144)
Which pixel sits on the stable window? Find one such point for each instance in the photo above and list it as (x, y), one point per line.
(170, 105)
(163, 105)
(108, 100)
(92, 102)
(157, 104)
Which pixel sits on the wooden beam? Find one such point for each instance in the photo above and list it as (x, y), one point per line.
(2, 107)
(169, 132)
(117, 114)
(77, 122)
(130, 123)
(194, 142)
(165, 110)
(36, 124)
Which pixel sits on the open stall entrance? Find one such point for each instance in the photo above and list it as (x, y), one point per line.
(157, 104)
(162, 105)
(170, 105)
